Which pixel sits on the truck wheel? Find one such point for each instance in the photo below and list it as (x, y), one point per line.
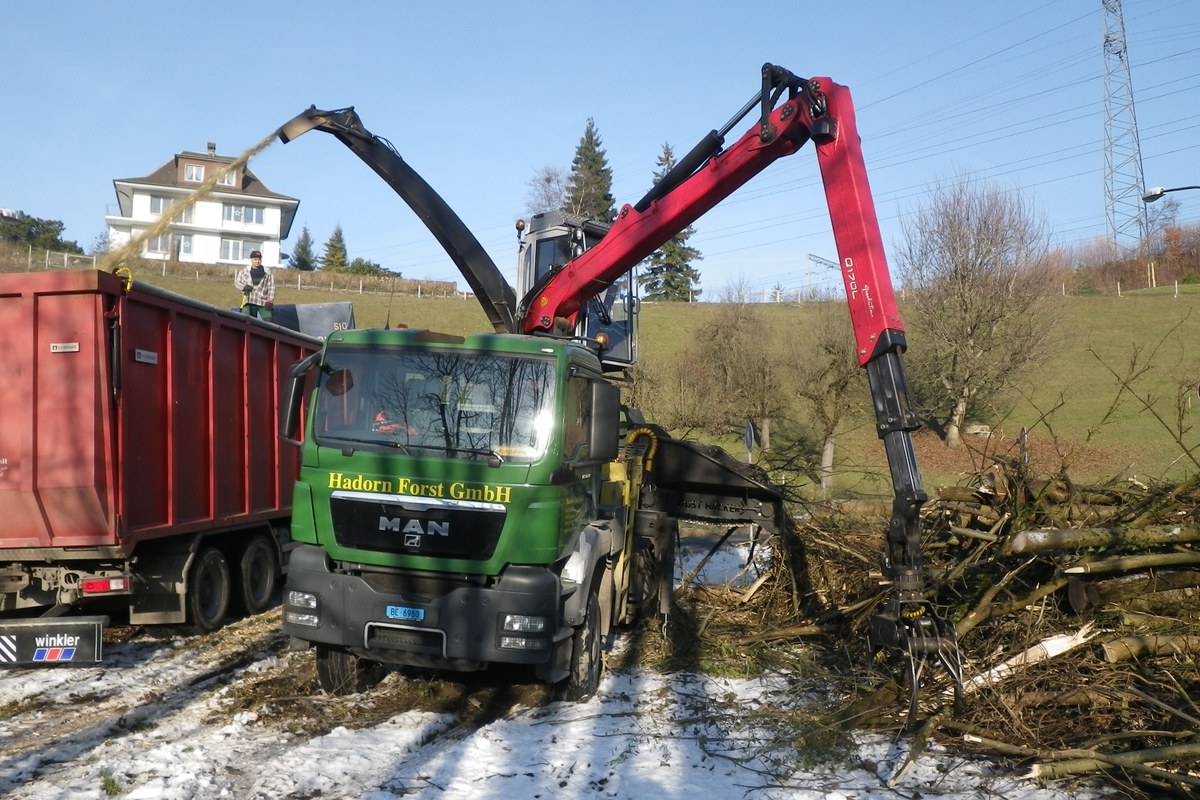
(258, 575)
(586, 658)
(340, 672)
(208, 590)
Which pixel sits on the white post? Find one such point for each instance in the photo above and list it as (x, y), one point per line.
(1118, 288)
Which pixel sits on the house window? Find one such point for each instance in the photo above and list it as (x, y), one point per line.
(184, 242)
(228, 179)
(193, 173)
(159, 244)
(237, 249)
(162, 205)
(249, 215)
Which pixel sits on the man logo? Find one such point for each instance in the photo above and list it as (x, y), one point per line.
(417, 526)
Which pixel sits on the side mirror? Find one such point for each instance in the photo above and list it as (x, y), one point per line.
(293, 397)
(604, 438)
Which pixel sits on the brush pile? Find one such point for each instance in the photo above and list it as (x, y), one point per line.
(1077, 611)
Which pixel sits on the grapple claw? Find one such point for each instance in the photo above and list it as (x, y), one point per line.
(913, 628)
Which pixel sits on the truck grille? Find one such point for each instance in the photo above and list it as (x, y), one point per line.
(447, 531)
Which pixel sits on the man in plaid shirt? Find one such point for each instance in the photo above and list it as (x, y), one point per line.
(257, 287)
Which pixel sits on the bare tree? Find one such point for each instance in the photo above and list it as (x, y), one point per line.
(827, 376)
(752, 372)
(739, 291)
(974, 259)
(547, 190)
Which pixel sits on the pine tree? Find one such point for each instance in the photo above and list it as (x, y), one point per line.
(589, 188)
(669, 274)
(335, 258)
(302, 254)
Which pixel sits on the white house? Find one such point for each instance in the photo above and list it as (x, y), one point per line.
(222, 226)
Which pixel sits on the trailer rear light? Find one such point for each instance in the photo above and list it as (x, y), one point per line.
(522, 643)
(104, 585)
(522, 623)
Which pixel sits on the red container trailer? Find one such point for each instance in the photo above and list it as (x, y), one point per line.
(139, 452)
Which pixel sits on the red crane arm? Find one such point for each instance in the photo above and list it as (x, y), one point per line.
(822, 112)
(856, 233)
(638, 233)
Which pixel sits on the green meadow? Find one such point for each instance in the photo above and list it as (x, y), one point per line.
(1115, 402)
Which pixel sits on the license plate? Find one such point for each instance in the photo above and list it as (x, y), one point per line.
(406, 613)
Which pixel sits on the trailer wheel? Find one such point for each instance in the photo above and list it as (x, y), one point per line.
(209, 590)
(586, 658)
(340, 672)
(258, 575)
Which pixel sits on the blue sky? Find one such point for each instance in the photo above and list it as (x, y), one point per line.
(477, 96)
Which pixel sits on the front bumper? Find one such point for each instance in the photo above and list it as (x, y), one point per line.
(421, 619)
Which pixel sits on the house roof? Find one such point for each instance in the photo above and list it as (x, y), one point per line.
(169, 175)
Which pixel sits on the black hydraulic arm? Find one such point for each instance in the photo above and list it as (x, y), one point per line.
(482, 275)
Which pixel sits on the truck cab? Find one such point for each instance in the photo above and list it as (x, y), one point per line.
(552, 239)
(453, 507)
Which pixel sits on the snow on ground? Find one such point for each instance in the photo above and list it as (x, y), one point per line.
(153, 721)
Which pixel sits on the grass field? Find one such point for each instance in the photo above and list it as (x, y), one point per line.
(1078, 413)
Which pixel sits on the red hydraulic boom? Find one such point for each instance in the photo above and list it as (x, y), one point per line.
(820, 110)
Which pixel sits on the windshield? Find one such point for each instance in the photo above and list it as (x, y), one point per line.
(450, 403)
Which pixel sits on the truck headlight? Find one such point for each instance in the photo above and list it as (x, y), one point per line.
(523, 623)
(523, 643)
(302, 608)
(302, 599)
(300, 618)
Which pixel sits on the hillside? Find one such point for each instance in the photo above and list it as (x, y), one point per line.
(1075, 409)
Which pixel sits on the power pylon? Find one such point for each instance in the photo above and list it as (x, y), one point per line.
(1123, 182)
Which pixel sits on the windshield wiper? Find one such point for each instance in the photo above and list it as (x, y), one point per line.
(361, 441)
(494, 459)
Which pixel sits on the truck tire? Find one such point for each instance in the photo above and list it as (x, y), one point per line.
(258, 574)
(340, 672)
(586, 658)
(208, 590)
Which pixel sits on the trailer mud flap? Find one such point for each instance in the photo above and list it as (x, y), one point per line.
(75, 640)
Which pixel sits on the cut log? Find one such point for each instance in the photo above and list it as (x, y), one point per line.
(1085, 595)
(1130, 563)
(1038, 541)
(1128, 648)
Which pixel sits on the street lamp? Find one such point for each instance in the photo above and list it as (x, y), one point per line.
(1159, 191)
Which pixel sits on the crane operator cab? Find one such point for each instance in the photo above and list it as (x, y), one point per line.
(551, 239)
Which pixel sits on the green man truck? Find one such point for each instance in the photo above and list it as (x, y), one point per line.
(467, 501)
